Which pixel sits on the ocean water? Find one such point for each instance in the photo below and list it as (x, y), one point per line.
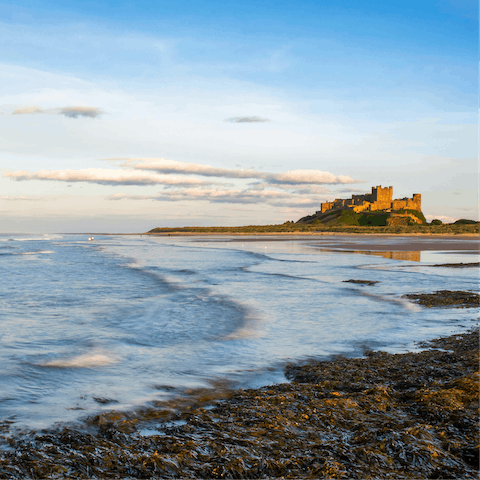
(122, 321)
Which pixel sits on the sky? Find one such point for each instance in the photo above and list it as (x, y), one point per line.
(126, 116)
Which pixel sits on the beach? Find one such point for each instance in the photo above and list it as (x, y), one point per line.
(241, 357)
(412, 415)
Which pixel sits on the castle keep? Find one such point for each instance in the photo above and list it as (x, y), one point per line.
(379, 199)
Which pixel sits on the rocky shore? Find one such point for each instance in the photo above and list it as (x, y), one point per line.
(412, 415)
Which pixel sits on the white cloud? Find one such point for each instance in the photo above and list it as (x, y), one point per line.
(443, 218)
(171, 166)
(20, 198)
(270, 197)
(293, 177)
(300, 189)
(70, 112)
(104, 176)
(253, 119)
(75, 112)
(314, 177)
(27, 111)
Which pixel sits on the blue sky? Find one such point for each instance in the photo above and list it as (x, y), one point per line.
(318, 99)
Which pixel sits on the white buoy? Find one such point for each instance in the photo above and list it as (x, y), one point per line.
(91, 238)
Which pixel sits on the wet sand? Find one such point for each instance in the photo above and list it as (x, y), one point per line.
(374, 242)
(397, 247)
(402, 244)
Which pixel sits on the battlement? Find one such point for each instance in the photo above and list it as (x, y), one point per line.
(379, 199)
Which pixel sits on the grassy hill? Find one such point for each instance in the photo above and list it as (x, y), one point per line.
(339, 221)
(364, 219)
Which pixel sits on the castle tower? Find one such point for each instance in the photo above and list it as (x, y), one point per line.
(381, 198)
(417, 201)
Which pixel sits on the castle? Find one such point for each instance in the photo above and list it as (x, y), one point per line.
(379, 199)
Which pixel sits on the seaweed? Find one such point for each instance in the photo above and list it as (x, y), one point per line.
(456, 265)
(361, 282)
(446, 298)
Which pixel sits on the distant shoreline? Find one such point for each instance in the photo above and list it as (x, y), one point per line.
(179, 233)
(290, 228)
(306, 234)
(467, 243)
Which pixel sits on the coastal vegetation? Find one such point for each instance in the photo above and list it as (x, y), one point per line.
(316, 226)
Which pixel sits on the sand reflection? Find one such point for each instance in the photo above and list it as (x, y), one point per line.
(411, 256)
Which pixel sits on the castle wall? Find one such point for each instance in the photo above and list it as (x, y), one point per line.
(414, 203)
(362, 208)
(379, 199)
(359, 199)
(324, 207)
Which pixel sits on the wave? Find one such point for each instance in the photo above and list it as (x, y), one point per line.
(264, 256)
(283, 275)
(35, 252)
(95, 358)
(406, 304)
(32, 239)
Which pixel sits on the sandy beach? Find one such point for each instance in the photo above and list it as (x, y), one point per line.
(407, 243)
(381, 242)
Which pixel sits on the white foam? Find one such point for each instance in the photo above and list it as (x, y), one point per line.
(32, 239)
(37, 252)
(406, 304)
(94, 358)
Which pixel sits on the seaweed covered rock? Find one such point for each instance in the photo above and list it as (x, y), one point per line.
(361, 282)
(446, 298)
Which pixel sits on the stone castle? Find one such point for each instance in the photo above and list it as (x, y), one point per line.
(379, 199)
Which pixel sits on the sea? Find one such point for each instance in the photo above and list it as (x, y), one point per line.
(122, 322)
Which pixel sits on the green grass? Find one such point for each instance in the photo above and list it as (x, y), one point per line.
(349, 217)
(464, 221)
(416, 213)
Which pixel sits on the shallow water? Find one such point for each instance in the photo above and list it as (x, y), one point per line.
(119, 322)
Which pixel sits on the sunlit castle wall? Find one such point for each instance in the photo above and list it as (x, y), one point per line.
(379, 199)
(324, 207)
(382, 198)
(414, 203)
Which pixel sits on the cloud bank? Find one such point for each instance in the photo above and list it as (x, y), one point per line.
(292, 189)
(293, 177)
(245, 197)
(172, 166)
(103, 176)
(246, 120)
(27, 111)
(69, 112)
(305, 177)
